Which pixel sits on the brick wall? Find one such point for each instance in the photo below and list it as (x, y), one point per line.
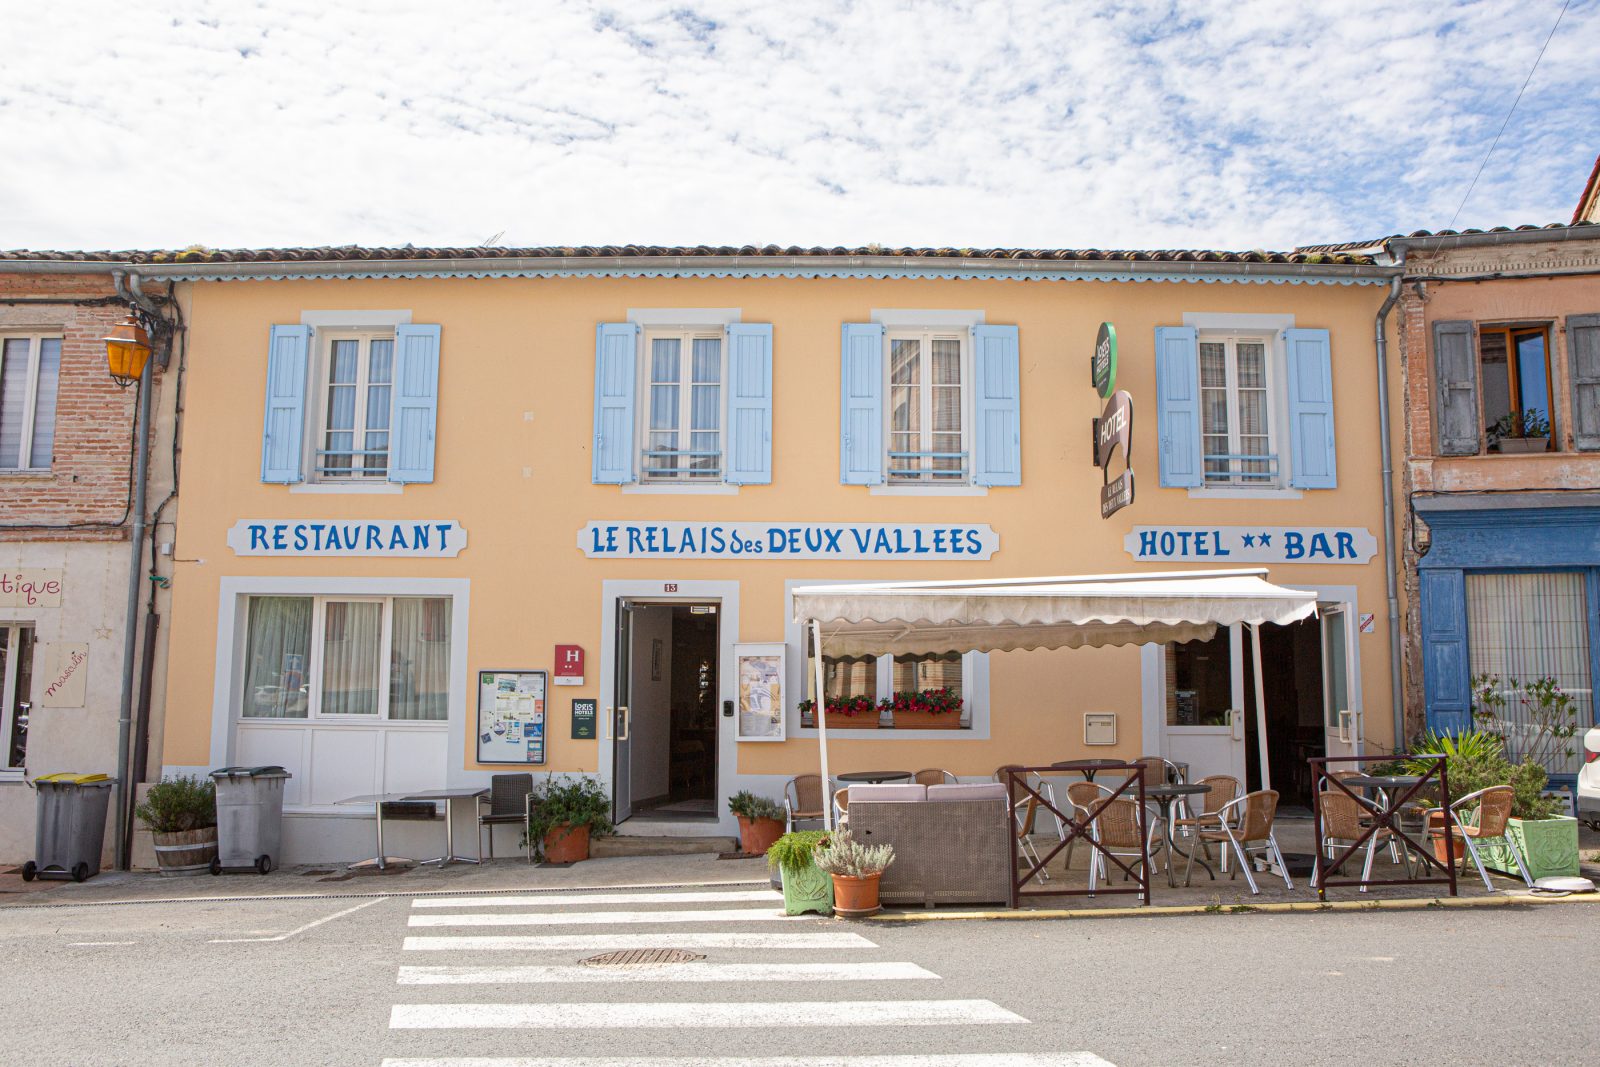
(88, 478)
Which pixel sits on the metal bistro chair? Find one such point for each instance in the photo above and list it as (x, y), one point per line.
(1117, 830)
(1221, 790)
(802, 800)
(934, 776)
(1245, 823)
(510, 800)
(1344, 818)
(1482, 817)
(841, 808)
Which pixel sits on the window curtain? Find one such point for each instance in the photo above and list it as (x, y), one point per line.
(916, 673)
(277, 647)
(1524, 627)
(351, 634)
(419, 660)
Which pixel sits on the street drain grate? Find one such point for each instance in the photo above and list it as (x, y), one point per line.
(643, 957)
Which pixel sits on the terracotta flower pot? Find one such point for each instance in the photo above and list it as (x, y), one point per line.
(1443, 852)
(856, 898)
(566, 844)
(757, 835)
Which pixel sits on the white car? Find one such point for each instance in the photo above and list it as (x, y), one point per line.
(1589, 780)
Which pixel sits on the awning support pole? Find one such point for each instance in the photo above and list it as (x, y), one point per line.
(1261, 705)
(821, 707)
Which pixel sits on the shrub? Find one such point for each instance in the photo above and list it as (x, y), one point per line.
(792, 851)
(568, 801)
(174, 805)
(750, 806)
(842, 854)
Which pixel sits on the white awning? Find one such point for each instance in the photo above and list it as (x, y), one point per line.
(913, 618)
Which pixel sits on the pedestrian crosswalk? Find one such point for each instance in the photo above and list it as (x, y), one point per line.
(714, 962)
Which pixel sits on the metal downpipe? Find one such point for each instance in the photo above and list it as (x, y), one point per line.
(1396, 688)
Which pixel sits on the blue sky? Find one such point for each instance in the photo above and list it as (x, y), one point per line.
(1041, 123)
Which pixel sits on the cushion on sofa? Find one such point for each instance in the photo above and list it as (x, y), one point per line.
(888, 793)
(968, 791)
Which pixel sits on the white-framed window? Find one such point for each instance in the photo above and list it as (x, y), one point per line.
(681, 432)
(355, 376)
(879, 679)
(16, 688)
(30, 378)
(1237, 417)
(347, 658)
(929, 408)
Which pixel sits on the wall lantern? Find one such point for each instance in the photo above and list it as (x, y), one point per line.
(127, 350)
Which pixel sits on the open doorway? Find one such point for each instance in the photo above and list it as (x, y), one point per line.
(667, 746)
(1292, 677)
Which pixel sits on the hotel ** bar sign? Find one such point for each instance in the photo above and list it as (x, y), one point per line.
(437, 538)
(788, 540)
(1251, 544)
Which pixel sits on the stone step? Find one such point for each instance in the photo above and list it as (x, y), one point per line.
(627, 845)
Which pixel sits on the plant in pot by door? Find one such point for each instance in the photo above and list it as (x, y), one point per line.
(856, 870)
(805, 888)
(760, 821)
(181, 813)
(565, 813)
(1541, 731)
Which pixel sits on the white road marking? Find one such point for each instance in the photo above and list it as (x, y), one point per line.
(537, 900)
(678, 972)
(703, 1015)
(298, 929)
(980, 1059)
(606, 918)
(91, 944)
(607, 942)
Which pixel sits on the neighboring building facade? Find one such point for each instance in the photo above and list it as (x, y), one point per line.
(1500, 338)
(66, 483)
(411, 475)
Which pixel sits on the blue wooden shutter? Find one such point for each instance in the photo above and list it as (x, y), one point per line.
(1178, 406)
(283, 429)
(747, 458)
(1446, 675)
(997, 392)
(615, 351)
(1311, 448)
(861, 458)
(416, 404)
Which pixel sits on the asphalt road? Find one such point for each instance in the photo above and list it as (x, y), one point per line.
(408, 982)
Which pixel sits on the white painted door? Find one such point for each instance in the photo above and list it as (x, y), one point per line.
(1344, 726)
(1215, 744)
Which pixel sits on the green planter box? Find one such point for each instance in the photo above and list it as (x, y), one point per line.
(1548, 846)
(807, 889)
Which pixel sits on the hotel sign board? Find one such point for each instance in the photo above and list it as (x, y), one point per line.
(1103, 364)
(1113, 430)
(622, 539)
(1251, 544)
(413, 538)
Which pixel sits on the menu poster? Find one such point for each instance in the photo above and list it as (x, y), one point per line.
(760, 675)
(511, 707)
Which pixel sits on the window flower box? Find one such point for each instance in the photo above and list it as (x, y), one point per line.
(857, 713)
(926, 709)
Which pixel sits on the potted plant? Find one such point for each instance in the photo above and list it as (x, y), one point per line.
(564, 815)
(1473, 761)
(1524, 431)
(760, 821)
(856, 870)
(924, 709)
(853, 713)
(181, 813)
(805, 888)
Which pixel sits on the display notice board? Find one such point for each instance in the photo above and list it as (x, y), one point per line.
(511, 707)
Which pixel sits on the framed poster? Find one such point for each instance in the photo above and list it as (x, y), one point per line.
(511, 708)
(760, 675)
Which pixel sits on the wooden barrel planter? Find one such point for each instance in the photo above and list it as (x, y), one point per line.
(186, 852)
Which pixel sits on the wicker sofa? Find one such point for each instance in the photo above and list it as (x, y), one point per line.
(951, 844)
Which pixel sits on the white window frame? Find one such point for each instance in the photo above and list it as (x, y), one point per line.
(686, 336)
(926, 335)
(8, 691)
(30, 399)
(316, 657)
(323, 341)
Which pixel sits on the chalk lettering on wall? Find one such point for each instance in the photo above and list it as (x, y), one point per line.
(438, 538)
(787, 540)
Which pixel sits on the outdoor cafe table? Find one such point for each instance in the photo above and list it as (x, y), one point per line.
(1088, 767)
(1166, 796)
(873, 777)
(1385, 785)
(382, 860)
(450, 796)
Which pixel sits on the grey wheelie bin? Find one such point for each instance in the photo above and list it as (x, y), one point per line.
(249, 818)
(71, 829)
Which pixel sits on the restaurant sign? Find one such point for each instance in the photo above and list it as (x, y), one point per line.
(437, 538)
(787, 540)
(1113, 430)
(1251, 544)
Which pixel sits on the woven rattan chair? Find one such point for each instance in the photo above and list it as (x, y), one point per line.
(1486, 816)
(1221, 790)
(1245, 826)
(802, 800)
(509, 800)
(1117, 830)
(1344, 818)
(934, 776)
(1025, 810)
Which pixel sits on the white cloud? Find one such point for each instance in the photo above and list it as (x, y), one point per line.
(1258, 123)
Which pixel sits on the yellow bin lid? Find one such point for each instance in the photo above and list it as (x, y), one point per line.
(75, 779)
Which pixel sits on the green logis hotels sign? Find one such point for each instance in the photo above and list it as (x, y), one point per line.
(1103, 364)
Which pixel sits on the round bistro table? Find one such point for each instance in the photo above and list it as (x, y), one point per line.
(873, 777)
(1087, 767)
(1167, 796)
